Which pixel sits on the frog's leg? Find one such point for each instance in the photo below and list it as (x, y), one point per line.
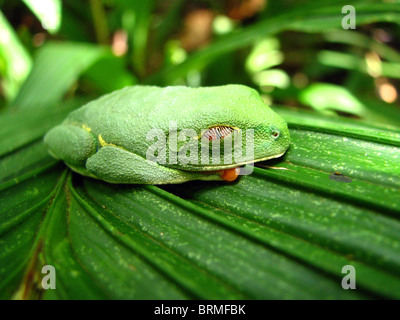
(117, 165)
(72, 144)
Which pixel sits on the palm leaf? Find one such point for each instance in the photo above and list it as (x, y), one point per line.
(274, 234)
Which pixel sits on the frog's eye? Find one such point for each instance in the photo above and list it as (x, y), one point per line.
(217, 132)
(275, 133)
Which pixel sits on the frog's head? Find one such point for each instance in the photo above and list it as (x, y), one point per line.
(223, 114)
(271, 138)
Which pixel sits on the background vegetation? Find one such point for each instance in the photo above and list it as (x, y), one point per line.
(280, 233)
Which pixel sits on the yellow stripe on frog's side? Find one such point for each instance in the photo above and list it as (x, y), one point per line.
(86, 128)
(103, 143)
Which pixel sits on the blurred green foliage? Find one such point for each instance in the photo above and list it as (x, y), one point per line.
(295, 53)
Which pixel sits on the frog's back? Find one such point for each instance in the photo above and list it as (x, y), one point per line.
(136, 99)
(124, 117)
(139, 104)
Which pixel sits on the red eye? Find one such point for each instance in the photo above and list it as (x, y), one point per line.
(218, 132)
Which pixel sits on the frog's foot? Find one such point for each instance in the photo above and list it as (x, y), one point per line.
(117, 165)
(72, 144)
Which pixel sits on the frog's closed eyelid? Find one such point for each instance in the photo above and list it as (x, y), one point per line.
(218, 132)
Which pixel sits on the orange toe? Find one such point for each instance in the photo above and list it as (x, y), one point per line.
(230, 174)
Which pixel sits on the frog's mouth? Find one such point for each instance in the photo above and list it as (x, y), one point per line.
(231, 172)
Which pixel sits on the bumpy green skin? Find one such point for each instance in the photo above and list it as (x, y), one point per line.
(106, 138)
